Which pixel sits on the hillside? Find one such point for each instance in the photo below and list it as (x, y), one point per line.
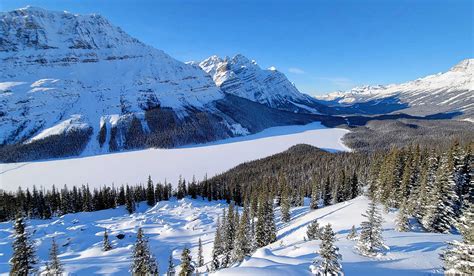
(172, 225)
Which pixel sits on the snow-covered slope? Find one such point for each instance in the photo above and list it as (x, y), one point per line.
(56, 66)
(134, 167)
(80, 83)
(171, 225)
(444, 92)
(244, 78)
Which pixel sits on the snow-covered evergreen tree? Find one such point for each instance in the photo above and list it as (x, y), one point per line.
(352, 234)
(106, 246)
(459, 257)
(242, 245)
(313, 232)
(54, 266)
(370, 238)
(150, 192)
(327, 264)
(440, 214)
(314, 194)
(228, 236)
(143, 262)
(171, 270)
(270, 226)
(24, 259)
(285, 203)
(402, 221)
(200, 256)
(187, 268)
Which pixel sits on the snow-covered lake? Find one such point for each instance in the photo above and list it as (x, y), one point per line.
(198, 160)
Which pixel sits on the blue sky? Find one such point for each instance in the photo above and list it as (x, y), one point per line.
(322, 46)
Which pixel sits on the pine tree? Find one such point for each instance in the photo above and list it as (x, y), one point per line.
(187, 268)
(150, 193)
(200, 256)
(440, 214)
(370, 238)
(459, 257)
(143, 261)
(228, 236)
(285, 202)
(106, 246)
(54, 266)
(270, 226)
(171, 271)
(215, 265)
(129, 201)
(314, 195)
(328, 261)
(260, 231)
(313, 232)
(24, 259)
(353, 234)
(242, 245)
(402, 221)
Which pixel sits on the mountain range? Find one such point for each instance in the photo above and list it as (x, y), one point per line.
(451, 91)
(78, 85)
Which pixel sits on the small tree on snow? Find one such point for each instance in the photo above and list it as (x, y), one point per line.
(54, 266)
(402, 221)
(313, 232)
(328, 262)
(106, 246)
(353, 234)
(187, 268)
(143, 261)
(459, 257)
(200, 256)
(24, 259)
(171, 271)
(370, 239)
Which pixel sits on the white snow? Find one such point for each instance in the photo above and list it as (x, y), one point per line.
(198, 160)
(411, 253)
(172, 225)
(65, 126)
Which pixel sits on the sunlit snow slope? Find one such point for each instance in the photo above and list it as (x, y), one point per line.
(134, 167)
(172, 225)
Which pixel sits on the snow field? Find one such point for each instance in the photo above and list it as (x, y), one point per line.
(170, 225)
(197, 160)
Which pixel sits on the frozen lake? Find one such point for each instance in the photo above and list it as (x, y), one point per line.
(134, 167)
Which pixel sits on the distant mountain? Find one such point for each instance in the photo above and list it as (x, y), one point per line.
(242, 77)
(452, 91)
(76, 84)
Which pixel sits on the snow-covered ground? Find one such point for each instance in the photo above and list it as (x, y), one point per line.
(172, 225)
(198, 160)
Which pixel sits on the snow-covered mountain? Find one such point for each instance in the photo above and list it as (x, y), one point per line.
(242, 77)
(452, 91)
(78, 80)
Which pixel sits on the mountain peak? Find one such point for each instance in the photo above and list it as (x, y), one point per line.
(466, 65)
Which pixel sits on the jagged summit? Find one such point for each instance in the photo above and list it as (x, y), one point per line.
(243, 77)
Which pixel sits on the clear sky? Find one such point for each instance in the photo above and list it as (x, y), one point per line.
(322, 46)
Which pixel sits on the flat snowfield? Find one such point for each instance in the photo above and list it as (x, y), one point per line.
(134, 167)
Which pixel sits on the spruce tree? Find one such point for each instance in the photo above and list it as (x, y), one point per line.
(352, 234)
(106, 246)
(228, 236)
(370, 238)
(440, 214)
(187, 268)
(54, 266)
(402, 221)
(242, 245)
(313, 232)
(329, 257)
(150, 193)
(200, 256)
(314, 194)
(129, 201)
(171, 271)
(143, 262)
(260, 229)
(269, 220)
(24, 259)
(459, 257)
(285, 202)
